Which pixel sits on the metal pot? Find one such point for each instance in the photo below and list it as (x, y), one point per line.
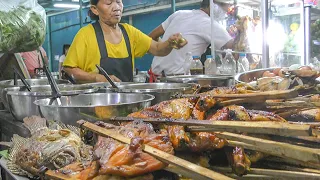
(202, 80)
(20, 101)
(161, 91)
(102, 105)
(32, 82)
(250, 76)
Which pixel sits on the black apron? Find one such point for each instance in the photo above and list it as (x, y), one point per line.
(119, 67)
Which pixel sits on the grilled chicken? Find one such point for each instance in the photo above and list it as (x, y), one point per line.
(239, 113)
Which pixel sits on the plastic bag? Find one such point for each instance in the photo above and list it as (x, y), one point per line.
(22, 25)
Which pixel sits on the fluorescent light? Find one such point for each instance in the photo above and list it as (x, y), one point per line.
(76, 6)
(75, 0)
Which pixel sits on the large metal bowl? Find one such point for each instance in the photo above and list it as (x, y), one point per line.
(203, 80)
(161, 91)
(32, 82)
(102, 105)
(20, 101)
(250, 76)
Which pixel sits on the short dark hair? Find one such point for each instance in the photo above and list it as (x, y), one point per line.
(205, 3)
(90, 13)
(64, 48)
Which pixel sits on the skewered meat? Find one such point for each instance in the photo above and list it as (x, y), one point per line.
(310, 115)
(206, 102)
(239, 113)
(50, 148)
(195, 142)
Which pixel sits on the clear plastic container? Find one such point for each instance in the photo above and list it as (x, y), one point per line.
(228, 64)
(187, 63)
(196, 67)
(243, 63)
(210, 66)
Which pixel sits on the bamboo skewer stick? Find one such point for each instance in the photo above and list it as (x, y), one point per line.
(189, 169)
(267, 127)
(279, 149)
(279, 94)
(274, 173)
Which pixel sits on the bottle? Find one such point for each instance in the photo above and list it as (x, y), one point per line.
(196, 67)
(210, 66)
(243, 63)
(187, 63)
(229, 63)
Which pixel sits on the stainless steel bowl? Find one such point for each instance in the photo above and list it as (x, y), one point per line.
(20, 101)
(203, 80)
(250, 76)
(102, 105)
(161, 91)
(32, 82)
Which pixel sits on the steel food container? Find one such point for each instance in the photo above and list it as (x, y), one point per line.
(101, 105)
(202, 80)
(161, 91)
(250, 76)
(32, 82)
(20, 101)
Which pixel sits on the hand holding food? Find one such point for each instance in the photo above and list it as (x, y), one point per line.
(176, 41)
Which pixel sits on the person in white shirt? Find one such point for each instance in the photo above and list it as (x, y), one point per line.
(195, 26)
(65, 50)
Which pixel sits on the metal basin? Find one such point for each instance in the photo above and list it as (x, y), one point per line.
(161, 91)
(203, 80)
(102, 105)
(20, 101)
(32, 82)
(250, 76)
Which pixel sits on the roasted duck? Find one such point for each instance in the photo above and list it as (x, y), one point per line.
(115, 159)
(46, 148)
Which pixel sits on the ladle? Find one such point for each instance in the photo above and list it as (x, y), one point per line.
(107, 76)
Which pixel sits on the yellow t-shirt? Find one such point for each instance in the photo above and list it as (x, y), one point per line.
(84, 51)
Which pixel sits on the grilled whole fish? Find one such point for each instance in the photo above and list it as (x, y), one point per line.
(46, 148)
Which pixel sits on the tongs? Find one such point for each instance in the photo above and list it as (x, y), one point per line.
(54, 87)
(69, 78)
(101, 70)
(26, 84)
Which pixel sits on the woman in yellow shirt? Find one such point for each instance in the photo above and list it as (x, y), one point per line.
(111, 45)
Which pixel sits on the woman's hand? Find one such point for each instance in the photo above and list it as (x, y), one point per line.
(176, 41)
(101, 78)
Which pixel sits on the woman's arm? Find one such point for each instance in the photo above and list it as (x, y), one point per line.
(81, 76)
(164, 48)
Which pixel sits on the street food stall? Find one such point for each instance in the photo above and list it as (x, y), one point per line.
(258, 124)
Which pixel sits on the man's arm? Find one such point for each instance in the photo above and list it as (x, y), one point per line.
(157, 32)
(229, 45)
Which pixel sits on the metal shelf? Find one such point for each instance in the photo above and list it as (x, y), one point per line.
(315, 12)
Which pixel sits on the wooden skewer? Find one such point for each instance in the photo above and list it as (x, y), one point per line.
(279, 94)
(189, 169)
(293, 162)
(279, 149)
(267, 127)
(275, 173)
